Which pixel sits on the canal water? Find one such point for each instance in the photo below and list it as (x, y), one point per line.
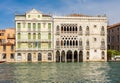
(84, 72)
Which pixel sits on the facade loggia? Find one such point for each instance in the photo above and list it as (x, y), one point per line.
(72, 38)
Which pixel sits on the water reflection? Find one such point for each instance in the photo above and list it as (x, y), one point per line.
(91, 72)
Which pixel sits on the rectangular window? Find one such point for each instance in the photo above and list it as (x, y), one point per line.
(95, 39)
(4, 56)
(19, 36)
(29, 45)
(49, 36)
(118, 48)
(34, 44)
(34, 26)
(38, 16)
(39, 45)
(4, 47)
(49, 26)
(34, 36)
(118, 38)
(112, 38)
(95, 26)
(8, 35)
(29, 25)
(28, 16)
(29, 36)
(12, 55)
(18, 45)
(18, 25)
(39, 36)
(39, 26)
(49, 45)
(118, 29)
(112, 30)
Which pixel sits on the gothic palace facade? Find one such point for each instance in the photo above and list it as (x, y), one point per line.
(72, 38)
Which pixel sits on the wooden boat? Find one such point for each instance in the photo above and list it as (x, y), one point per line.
(2, 61)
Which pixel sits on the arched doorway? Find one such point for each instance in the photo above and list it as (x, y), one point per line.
(57, 56)
(69, 56)
(49, 56)
(19, 56)
(29, 57)
(39, 57)
(63, 56)
(80, 56)
(75, 56)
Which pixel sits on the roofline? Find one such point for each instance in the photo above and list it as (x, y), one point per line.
(114, 25)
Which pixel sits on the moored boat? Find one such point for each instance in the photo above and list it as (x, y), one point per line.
(2, 61)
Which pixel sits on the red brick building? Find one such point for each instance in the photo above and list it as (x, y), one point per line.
(114, 37)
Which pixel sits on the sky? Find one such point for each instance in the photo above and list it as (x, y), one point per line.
(8, 9)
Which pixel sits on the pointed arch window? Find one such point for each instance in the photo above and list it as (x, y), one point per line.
(102, 31)
(87, 55)
(80, 42)
(80, 30)
(62, 42)
(87, 45)
(102, 44)
(87, 30)
(57, 30)
(103, 55)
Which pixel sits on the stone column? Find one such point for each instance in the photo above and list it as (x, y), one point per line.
(72, 57)
(65, 58)
(78, 57)
(60, 58)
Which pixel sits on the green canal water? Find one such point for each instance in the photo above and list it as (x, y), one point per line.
(84, 72)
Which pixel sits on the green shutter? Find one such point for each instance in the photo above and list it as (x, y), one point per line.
(19, 36)
(34, 36)
(18, 25)
(29, 25)
(29, 45)
(49, 46)
(34, 26)
(39, 36)
(49, 36)
(39, 45)
(18, 45)
(39, 26)
(49, 26)
(29, 36)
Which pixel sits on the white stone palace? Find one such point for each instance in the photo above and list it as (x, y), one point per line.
(72, 38)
